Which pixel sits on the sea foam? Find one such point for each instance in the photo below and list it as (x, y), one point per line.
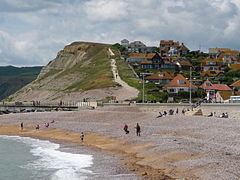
(64, 165)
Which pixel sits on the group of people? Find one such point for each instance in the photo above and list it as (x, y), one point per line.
(138, 129)
(36, 103)
(223, 115)
(170, 112)
(46, 125)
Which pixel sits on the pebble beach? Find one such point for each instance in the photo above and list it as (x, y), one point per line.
(171, 147)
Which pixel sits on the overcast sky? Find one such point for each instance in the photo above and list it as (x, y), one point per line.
(33, 31)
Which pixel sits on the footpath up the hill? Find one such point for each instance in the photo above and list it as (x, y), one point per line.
(127, 92)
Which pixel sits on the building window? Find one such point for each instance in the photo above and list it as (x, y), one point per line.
(171, 90)
(181, 81)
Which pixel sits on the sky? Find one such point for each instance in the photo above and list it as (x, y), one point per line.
(33, 31)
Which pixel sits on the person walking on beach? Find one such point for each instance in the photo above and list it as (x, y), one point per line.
(21, 125)
(82, 136)
(138, 130)
(125, 128)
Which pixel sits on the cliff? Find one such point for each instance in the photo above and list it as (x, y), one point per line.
(80, 70)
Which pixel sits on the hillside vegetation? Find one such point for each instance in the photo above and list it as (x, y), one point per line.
(79, 67)
(14, 78)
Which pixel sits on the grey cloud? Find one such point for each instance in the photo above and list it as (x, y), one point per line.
(37, 29)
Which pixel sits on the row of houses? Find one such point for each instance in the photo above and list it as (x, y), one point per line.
(156, 61)
(174, 84)
(213, 66)
(170, 62)
(166, 47)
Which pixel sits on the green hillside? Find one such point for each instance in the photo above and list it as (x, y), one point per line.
(14, 78)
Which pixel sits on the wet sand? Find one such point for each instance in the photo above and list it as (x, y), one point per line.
(172, 147)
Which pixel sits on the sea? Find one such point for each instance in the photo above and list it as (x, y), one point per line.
(24, 158)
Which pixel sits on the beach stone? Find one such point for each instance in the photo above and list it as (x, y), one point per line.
(144, 173)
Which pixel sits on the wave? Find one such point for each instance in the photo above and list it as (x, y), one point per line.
(64, 165)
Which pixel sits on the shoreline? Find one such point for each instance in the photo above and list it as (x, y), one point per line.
(177, 146)
(94, 142)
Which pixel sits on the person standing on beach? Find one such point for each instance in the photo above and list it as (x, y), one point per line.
(21, 125)
(125, 128)
(138, 130)
(82, 136)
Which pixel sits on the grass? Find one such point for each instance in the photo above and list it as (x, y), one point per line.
(151, 91)
(126, 73)
(96, 74)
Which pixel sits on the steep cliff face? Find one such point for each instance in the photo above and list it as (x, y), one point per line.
(78, 70)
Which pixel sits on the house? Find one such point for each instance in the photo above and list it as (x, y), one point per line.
(125, 43)
(179, 84)
(161, 78)
(210, 64)
(166, 45)
(223, 96)
(214, 52)
(146, 61)
(172, 48)
(168, 64)
(235, 67)
(137, 47)
(150, 49)
(222, 51)
(183, 64)
(236, 87)
(152, 61)
(136, 57)
(183, 50)
(211, 89)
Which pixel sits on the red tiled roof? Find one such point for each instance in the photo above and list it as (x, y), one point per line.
(222, 87)
(207, 85)
(176, 82)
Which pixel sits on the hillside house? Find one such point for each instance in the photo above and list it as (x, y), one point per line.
(146, 61)
(235, 67)
(150, 49)
(152, 61)
(179, 84)
(212, 89)
(172, 48)
(236, 87)
(183, 64)
(168, 64)
(214, 52)
(210, 64)
(223, 96)
(125, 43)
(136, 47)
(160, 78)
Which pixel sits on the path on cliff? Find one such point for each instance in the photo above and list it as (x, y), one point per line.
(127, 92)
